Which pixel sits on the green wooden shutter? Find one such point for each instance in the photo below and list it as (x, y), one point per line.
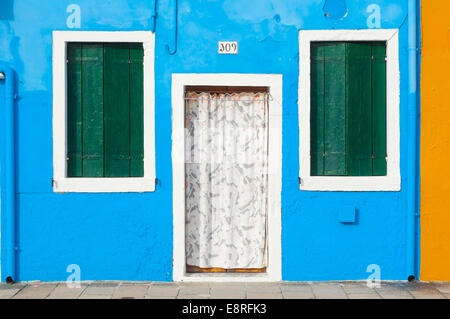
(317, 109)
(334, 108)
(105, 110)
(74, 112)
(92, 105)
(379, 98)
(348, 109)
(359, 109)
(117, 110)
(136, 111)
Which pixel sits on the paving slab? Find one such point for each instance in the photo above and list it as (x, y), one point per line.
(359, 288)
(390, 291)
(263, 288)
(443, 288)
(7, 290)
(430, 296)
(62, 291)
(164, 284)
(301, 288)
(394, 294)
(160, 297)
(4, 286)
(83, 296)
(139, 283)
(228, 292)
(364, 296)
(328, 291)
(239, 295)
(104, 284)
(228, 286)
(201, 296)
(298, 295)
(262, 295)
(35, 291)
(194, 290)
(384, 296)
(163, 291)
(99, 290)
(8, 293)
(400, 286)
(131, 291)
(423, 291)
(193, 283)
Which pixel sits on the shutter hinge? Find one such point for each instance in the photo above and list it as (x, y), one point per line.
(156, 181)
(53, 182)
(300, 181)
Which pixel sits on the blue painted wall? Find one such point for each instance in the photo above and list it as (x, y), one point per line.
(129, 236)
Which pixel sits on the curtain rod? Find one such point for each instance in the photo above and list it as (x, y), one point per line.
(269, 98)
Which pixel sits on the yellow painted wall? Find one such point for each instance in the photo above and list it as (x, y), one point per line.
(435, 141)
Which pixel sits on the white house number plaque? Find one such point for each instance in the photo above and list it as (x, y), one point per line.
(228, 47)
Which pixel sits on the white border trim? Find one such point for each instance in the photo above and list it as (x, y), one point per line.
(133, 184)
(274, 82)
(391, 182)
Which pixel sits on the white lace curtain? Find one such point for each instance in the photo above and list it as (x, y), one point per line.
(226, 180)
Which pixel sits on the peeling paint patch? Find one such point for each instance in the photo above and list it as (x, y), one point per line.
(335, 9)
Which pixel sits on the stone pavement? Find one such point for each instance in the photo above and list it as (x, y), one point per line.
(282, 290)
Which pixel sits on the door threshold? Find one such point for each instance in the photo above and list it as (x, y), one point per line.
(227, 277)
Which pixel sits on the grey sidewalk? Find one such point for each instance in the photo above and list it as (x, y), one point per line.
(282, 290)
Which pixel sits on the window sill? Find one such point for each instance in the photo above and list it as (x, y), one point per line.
(104, 185)
(351, 184)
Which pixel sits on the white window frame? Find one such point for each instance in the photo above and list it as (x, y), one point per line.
(274, 83)
(62, 183)
(391, 182)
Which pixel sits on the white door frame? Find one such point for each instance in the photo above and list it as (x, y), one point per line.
(274, 84)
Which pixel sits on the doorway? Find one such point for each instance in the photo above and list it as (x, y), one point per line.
(226, 156)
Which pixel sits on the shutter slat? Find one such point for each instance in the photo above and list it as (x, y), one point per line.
(92, 97)
(317, 109)
(379, 109)
(334, 106)
(136, 110)
(359, 109)
(74, 111)
(117, 112)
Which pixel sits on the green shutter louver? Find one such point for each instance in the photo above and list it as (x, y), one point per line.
(348, 109)
(74, 112)
(379, 98)
(136, 111)
(92, 110)
(105, 110)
